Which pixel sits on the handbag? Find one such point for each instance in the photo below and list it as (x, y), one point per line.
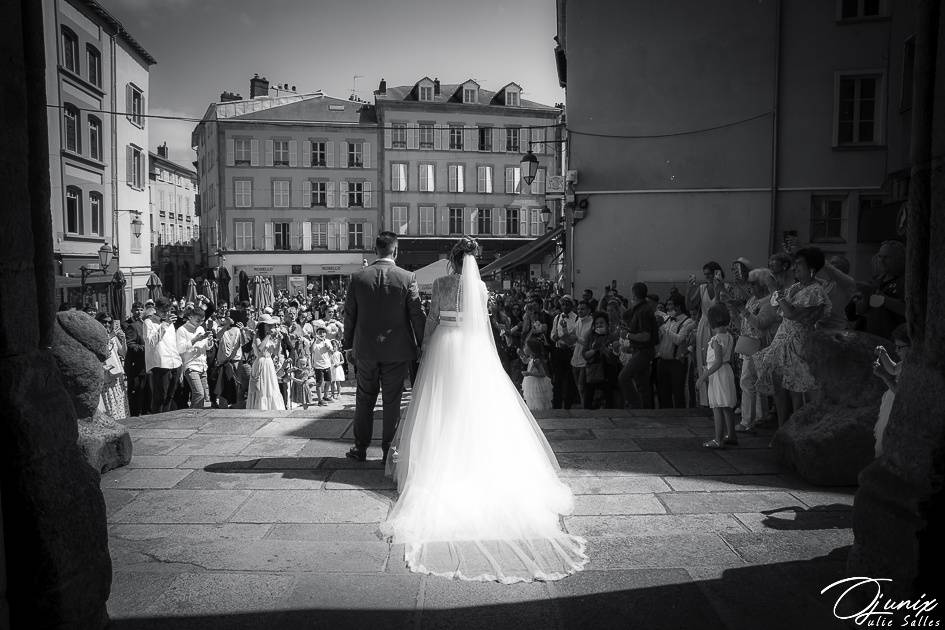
(747, 345)
(594, 373)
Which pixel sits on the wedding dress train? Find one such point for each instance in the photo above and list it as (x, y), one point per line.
(480, 497)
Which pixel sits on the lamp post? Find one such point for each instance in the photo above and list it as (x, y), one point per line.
(529, 166)
(104, 258)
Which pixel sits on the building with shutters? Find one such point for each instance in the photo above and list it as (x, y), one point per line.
(97, 74)
(288, 185)
(175, 221)
(450, 165)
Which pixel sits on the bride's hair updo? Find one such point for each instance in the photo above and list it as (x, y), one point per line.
(465, 245)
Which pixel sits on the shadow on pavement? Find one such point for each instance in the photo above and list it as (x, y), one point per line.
(832, 516)
(780, 596)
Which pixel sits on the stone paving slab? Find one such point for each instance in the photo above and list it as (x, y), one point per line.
(307, 428)
(487, 605)
(312, 506)
(203, 444)
(698, 462)
(153, 446)
(234, 426)
(611, 464)
(576, 423)
(115, 499)
(729, 483)
(221, 592)
(145, 478)
(591, 446)
(673, 551)
(287, 463)
(624, 525)
(219, 462)
(726, 502)
(834, 499)
(629, 432)
(784, 546)
(274, 446)
(181, 506)
(600, 504)
(752, 462)
(773, 520)
(176, 434)
(322, 448)
(156, 461)
(616, 485)
(254, 479)
(354, 479)
(188, 532)
(325, 532)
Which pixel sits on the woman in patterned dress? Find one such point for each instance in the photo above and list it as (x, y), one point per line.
(114, 390)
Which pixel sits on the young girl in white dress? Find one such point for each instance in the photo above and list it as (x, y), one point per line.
(536, 386)
(720, 378)
(337, 368)
(263, 383)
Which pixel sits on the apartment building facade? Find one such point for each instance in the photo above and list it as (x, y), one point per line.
(98, 183)
(451, 165)
(734, 127)
(175, 220)
(289, 186)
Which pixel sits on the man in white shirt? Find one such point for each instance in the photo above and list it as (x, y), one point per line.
(192, 344)
(161, 359)
(562, 334)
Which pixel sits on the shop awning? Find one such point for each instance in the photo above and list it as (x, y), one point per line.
(527, 253)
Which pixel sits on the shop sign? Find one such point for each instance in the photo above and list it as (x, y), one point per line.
(264, 269)
(296, 269)
(331, 267)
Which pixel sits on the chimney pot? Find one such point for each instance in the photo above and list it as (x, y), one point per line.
(436, 86)
(382, 87)
(258, 87)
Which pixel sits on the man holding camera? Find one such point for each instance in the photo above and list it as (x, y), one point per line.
(161, 358)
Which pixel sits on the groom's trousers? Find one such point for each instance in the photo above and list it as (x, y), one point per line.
(374, 376)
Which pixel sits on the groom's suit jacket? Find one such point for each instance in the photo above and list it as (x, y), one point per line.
(383, 317)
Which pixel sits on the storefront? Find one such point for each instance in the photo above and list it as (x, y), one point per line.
(309, 279)
(69, 282)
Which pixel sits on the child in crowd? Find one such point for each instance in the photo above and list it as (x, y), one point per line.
(889, 371)
(536, 386)
(284, 370)
(720, 377)
(337, 368)
(321, 364)
(301, 382)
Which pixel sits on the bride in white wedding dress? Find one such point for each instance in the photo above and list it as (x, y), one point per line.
(480, 497)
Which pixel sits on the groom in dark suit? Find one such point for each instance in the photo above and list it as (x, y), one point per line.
(383, 331)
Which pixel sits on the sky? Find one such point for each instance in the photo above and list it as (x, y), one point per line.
(205, 47)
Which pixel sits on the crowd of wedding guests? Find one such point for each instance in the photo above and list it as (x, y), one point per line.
(731, 340)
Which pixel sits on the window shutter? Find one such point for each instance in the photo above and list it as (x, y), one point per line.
(413, 220)
(368, 195)
(538, 136)
(343, 194)
(498, 224)
(497, 139)
(439, 176)
(509, 180)
(330, 195)
(453, 186)
(254, 152)
(306, 235)
(128, 105)
(523, 221)
(366, 155)
(268, 152)
(461, 177)
(307, 153)
(330, 154)
(306, 194)
(343, 235)
(413, 137)
(473, 220)
(538, 184)
(388, 137)
(523, 140)
(269, 245)
(293, 152)
(343, 154)
(438, 138)
(230, 151)
(129, 165)
(471, 139)
(443, 216)
(368, 235)
(332, 235)
(144, 111)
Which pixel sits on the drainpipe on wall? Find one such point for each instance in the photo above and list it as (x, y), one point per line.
(775, 129)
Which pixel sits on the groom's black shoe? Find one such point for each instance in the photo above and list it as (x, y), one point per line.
(356, 454)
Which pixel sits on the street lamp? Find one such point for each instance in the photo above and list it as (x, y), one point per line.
(529, 165)
(546, 214)
(136, 224)
(104, 258)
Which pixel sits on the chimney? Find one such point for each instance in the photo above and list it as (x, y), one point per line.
(436, 87)
(258, 86)
(162, 151)
(382, 87)
(230, 96)
(293, 88)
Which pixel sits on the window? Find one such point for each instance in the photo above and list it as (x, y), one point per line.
(355, 236)
(513, 177)
(398, 177)
(426, 92)
(469, 95)
(457, 176)
(538, 184)
(95, 138)
(319, 234)
(426, 178)
(280, 193)
(281, 233)
(244, 235)
(512, 224)
(908, 69)
(398, 219)
(456, 221)
(242, 151)
(136, 100)
(511, 98)
(70, 50)
(136, 169)
(536, 221)
(485, 138)
(73, 210)
(97, 211)
(318, 154)
(319, 194)
(70, 117)
(426, 220)
(355, 154)
(280, 152)
(398, 136)
(511, 139)
(857, 122)
(162, 203)
(484, 179)
(426, 135)
(853, 9)
(243, 193)
(484, 221)
(355, 194)
(95, 65)
(826, 219)
(456, 137)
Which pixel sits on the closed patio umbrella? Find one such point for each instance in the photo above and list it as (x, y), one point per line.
(155, 287)
(116, 296)
(223, 287)
(206, 289)
(191, 295)
(243, 291)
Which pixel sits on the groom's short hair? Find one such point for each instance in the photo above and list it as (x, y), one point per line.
(385, 243)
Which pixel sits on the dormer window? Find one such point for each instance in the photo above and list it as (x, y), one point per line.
(470, 95)
(511, 98)
(426, 92)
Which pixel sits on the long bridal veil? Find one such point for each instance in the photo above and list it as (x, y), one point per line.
(480, 497)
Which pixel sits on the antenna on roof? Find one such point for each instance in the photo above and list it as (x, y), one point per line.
(354, 87)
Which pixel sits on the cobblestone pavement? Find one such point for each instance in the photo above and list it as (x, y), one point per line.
(252, 519)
